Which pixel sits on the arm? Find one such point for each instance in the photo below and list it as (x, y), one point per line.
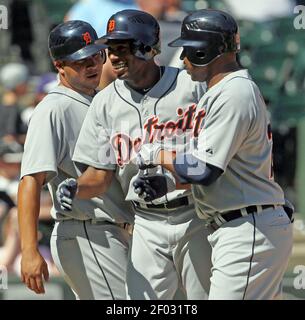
(33, 266)
(186, 167)
(189, 169)
(93, 182)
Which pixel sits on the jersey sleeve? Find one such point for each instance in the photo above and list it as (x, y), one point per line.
(44, 143)
(226, 126)
(93, 145)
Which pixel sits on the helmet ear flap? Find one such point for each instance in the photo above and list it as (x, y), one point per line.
(145, 52)
(200, 54)
(147, 48)
(104, 56)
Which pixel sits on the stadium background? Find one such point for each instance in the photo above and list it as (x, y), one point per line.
(272, 48)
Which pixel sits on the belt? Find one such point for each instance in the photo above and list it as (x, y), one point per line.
(235, 214)
(176, 203)
(122, 225)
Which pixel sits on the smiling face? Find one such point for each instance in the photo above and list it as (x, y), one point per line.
(125, 64)
(81, 75)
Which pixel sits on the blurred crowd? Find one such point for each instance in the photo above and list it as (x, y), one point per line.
(21, 92)
(24, 82)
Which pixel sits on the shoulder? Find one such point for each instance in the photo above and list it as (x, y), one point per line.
(241, 86)
(108, 92)
(56, 104)
(104, 98)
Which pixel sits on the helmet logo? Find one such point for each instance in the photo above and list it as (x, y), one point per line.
(111, 25)
(87, 37)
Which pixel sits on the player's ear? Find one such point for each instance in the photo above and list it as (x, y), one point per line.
(59, 65)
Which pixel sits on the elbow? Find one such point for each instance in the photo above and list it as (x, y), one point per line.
(194, 171)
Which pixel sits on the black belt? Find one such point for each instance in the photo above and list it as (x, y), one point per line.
(176, 203)
(235, 214)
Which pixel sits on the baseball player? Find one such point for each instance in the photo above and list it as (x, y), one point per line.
(169, 245)
(89, 243)
(230, 166)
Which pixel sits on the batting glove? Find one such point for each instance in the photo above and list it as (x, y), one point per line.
(65, 193)
(148, 155)
(151, 187)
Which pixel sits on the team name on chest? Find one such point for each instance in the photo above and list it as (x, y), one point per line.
(156, 130)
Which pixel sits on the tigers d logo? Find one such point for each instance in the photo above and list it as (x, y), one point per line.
(111, 25)
(87, 37)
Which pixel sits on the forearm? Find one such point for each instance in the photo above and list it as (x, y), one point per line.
(93, 182)
(166, 158)
(28, 211)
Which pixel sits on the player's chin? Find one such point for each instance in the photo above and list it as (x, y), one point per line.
(196, 77)
(122, 75)
(120, 72)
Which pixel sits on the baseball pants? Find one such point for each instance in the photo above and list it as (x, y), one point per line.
(250, 255)
(92, 258)
(169, 251)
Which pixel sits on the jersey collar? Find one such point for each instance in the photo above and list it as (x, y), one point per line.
(76, 95)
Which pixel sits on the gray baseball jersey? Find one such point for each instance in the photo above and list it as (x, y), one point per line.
(250, 253)
(169, 246)
(89, 250)
(52, 134)
(120, 117)
(236, 137)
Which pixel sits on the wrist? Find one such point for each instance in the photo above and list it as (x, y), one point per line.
(30, 248)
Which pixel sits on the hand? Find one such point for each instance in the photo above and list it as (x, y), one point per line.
(150, 188)
(153, 187)
(65, 193)
(33, 268)
(147, 157)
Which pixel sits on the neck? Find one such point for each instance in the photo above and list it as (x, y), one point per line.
(146, 79)
(220, 70)
(87, 91)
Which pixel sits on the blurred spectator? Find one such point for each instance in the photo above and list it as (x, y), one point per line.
(10, 161)
(10, 255)
(260, 10)
(46, 82)
(169, 15)
(14, 78)
(10, 239)
(21, 27)
(97, 12)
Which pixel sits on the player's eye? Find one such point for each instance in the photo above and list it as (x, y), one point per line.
(119, 50)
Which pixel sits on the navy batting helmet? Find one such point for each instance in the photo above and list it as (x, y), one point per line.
(73, 40)
(139, 27)
(206, 34)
